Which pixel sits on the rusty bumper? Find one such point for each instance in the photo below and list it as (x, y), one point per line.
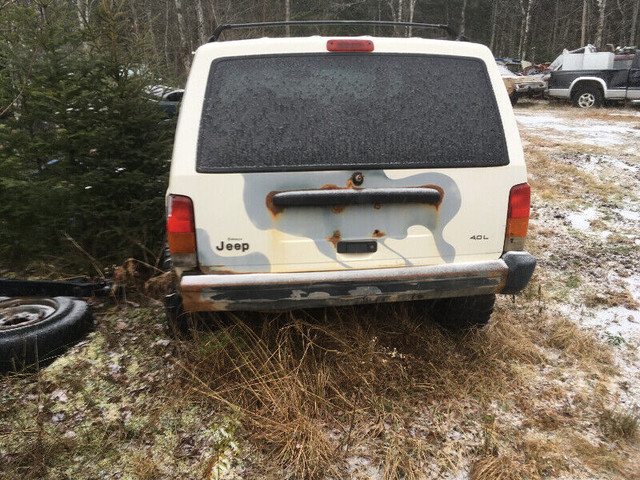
(288, 291)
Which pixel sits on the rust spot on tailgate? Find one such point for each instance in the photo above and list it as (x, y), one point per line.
(335, 238)
(439, 189)
(378, 233)
(273, 209)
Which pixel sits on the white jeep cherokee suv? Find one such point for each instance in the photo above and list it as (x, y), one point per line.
(318, 171)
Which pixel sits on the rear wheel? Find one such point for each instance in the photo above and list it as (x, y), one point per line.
(463, 313)
(587, 96)
(180, 324)
(513, 97)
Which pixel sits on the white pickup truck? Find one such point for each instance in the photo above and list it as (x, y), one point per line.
(333, 170)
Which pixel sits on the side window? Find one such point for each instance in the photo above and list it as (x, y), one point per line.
(174, 97)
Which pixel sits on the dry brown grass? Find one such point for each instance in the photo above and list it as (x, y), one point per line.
(598, 456)
(314, 388)
(557, 181)
(612, 299)
(568, 337)
(500, 467)
(618, 425)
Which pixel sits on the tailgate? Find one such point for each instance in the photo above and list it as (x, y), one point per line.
(324, 161)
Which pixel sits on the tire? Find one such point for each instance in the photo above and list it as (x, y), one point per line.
(587, 96)
(179, 322)
(463, 313)
(514, 98)
(34, 330)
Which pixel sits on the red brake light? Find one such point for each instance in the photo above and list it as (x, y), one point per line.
(181, 231)
(520, 201)
(180, 215)
(348, 45)
(518, 217)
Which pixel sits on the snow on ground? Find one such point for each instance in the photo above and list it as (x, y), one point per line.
(616, 324)
(582, 220)
(591, 131)
(595, 224)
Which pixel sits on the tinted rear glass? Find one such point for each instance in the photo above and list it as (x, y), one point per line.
(345, 111)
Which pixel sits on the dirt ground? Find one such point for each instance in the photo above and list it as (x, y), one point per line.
(550, 389)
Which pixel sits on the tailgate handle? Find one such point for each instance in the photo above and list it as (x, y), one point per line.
(364, 196)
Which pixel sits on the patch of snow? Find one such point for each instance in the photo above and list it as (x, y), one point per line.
(582, 220)
(620, 321)
(59, 395)
(628, 214)
(590, 131)
(625, 114)
(600, 163)
(363, 465)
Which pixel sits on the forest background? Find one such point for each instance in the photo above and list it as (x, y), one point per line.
(84, 153)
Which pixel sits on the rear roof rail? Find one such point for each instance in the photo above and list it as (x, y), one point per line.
(427, 26)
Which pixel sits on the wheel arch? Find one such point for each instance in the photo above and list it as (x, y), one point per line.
(592, 81)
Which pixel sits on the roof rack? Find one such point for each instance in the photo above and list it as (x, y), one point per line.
(235, 26)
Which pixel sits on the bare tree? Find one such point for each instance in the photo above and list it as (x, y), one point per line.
(202, 35)
(462, 18)
(602, 5)
(83, 11)
(526, 25)
(494, 21)
(412, 9)
(184, 44)
(287, 16)
(634, 23)
(583, 35)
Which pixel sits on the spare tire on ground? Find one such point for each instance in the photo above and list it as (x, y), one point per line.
(34, 330)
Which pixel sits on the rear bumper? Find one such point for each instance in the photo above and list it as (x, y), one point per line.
(288, 291)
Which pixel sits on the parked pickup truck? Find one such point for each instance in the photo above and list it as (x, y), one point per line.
(590, 88)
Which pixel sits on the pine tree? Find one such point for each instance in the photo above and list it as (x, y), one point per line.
(84, 152)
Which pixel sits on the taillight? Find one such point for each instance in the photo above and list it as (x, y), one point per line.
(518, 217)
(181, 231)
(350, 45)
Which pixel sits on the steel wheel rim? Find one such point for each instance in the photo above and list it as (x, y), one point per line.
(587, 100)
(18, 312)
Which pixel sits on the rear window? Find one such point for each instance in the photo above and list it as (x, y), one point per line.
(345, 111)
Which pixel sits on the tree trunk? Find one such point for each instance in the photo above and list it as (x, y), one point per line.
(494, 21)
(554, 35)
(634, 23)
(462, 18)
(201, 26)
(396, 15)
(412, 8)
(185, 50)
(166, 35)
(83, 11)
(527, 26)
(523, 12)
(287, 16)
(583, 35)
(602, 5)
(213, 14)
